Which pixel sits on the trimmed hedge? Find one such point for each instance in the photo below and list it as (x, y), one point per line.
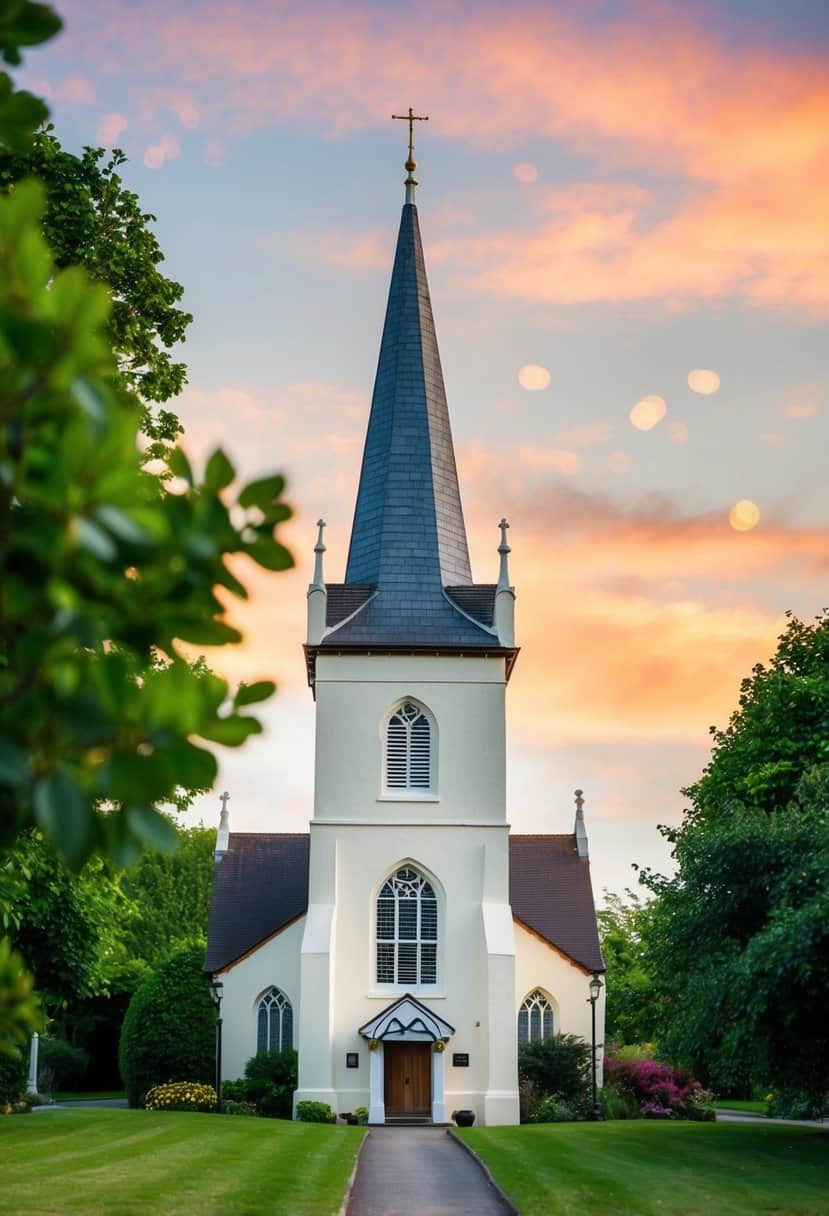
(169, 1030)
(60, 1065)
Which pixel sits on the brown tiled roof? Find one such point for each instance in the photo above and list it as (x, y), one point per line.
(551, 893)
(476, 600)
(260, 885)
(343, 599)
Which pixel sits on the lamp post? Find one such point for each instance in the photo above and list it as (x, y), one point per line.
(216, 991)
(596, 986)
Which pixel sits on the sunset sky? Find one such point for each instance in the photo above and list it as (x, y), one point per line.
(613, 196)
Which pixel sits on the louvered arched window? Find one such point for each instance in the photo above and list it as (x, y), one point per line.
(274, 1022)
(408, 749)
(535, 1018)
(407, 930)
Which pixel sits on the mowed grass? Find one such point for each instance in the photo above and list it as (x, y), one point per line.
(644, 1168)
(120, 1162)
(746, 1106)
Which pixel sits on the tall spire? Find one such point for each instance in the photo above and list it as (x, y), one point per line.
(408, 522)
(411, 163)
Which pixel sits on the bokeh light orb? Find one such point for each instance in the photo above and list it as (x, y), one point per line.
(703, 380)
(525, 172)
(648, 412)
(744, 515)
(533, 377)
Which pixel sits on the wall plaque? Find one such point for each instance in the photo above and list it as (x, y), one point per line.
(460, 1059)
(352, 1059)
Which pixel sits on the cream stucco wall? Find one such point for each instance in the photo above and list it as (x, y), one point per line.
(539, 965)
(276, 963)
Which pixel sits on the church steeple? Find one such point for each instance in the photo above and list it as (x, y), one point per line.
(408, 522)
(408, 582)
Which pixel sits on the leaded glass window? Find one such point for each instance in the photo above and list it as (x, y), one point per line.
(274, 1022)
(535, 1018)
(407, 930)
(408, 749)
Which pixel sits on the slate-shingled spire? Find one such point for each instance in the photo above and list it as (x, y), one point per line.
(408, 523)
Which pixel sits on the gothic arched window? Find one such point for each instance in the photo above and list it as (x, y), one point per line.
(408, 749)
(407, 930)
(274, 1022)
(535, 1018)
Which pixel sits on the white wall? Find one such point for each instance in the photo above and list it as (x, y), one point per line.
(274, 964)
(539, 965)
(466, 698)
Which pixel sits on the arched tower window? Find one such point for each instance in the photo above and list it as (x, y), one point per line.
(535, 1018)
(407, 930)
(408, 749)
(274, 1022)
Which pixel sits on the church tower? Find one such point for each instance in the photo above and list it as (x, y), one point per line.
(409, 659)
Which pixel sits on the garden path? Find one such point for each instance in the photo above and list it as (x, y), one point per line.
(409, 1171)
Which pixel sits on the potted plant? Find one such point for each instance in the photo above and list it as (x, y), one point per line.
(463, 1118)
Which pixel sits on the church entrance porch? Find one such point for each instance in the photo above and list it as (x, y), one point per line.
(406, 1044)
(407, 1080)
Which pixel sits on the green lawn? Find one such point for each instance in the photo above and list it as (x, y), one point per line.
(126, 1163)
(644, 1168)
(745, 1105)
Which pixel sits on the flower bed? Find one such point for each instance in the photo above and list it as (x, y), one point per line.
(181, 1095)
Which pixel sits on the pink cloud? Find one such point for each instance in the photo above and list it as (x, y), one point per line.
(110, 128)
(167, 148)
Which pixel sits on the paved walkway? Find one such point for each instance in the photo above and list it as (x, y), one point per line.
(740, 1116)
(96, 1103)
(420, 1171)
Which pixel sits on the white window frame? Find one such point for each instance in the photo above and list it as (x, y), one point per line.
(275, 1001)
(409, 793)
(418, 984)
(537, 998)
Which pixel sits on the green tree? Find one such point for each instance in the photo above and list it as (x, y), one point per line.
(740, 939)
(91, 219)
(624, 928)
(169, 1028)
(170, 895)
(101, 576)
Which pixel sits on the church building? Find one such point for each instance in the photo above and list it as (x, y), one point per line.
(408, 942)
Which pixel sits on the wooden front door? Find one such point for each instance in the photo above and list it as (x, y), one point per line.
(408, 1080)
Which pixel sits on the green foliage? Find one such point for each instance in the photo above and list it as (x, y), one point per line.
(740, 935)
(270, 1081)
(617, 1105)
(315, 1112)
(22, 23)
(560, 1066)
(624, 925)
(92, 220)
(12, 1077)
(554, 1109)
(169, 1028)
(20, 1012)
(170, 895)
(234, 1107)
(67, 926)
(100, 574)
(60, 1065)
(182, 1095)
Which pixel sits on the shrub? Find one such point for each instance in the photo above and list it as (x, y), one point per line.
(169, 1027)
(616, 1105)
(60, 1065)
(315, 1112)
(12, 1078)
(554, 1109)
(234, 1091)
(362, 1115)
(658, 1090)
(182, 1095)
(560, 1065)
(236, 1108)
(270, 1080)
(792, 1104)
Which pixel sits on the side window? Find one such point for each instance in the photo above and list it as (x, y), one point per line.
(535, 1018)
(274, 1022)
(408, 749)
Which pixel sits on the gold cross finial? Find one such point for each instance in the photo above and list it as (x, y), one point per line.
(411, 119)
